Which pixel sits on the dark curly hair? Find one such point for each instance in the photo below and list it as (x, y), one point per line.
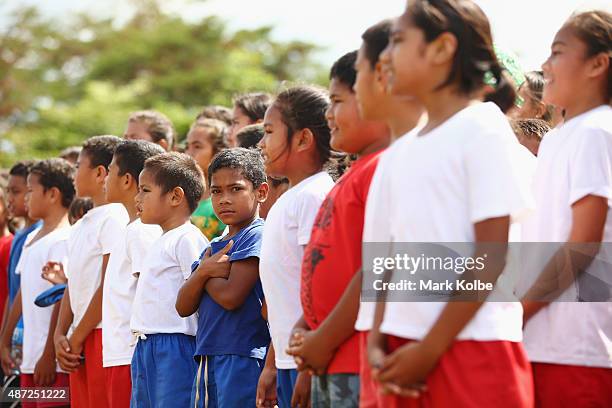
(173, 169)
(58, 173)
(248, 161)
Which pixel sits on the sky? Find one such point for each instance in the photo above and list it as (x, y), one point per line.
(525, 27)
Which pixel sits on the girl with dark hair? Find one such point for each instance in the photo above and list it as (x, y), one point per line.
(296, 145)
(569, 339)
(452, 180)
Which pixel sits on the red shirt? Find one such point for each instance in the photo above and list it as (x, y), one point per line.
(333, 254)
(5, 252)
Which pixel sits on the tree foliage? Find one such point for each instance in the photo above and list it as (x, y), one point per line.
(62, 81)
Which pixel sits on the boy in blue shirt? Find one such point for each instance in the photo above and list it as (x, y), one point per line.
(225, 288)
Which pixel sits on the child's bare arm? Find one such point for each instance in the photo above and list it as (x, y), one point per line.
(409, 365)
(215, 266)
(13, 317)
(93, 314)
(231, 293)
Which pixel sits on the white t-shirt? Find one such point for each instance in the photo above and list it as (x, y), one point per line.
(36, 320)
(119, 290)
(574, 160)
(286, 233)
(92, 237)
(163, 272)
(439, 185)
(375, 226)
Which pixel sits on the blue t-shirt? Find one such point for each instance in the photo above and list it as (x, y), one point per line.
(241, 331)
(14, 280)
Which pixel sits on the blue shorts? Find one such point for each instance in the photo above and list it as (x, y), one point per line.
(226, 381)
(285, 383)
(162, 371)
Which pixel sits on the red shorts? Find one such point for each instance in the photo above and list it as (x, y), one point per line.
(560, 386)
(118, 386)
(27, 381)
(88, 382)
(472, 374)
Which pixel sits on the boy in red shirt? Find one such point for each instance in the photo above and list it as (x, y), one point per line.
(333, 255)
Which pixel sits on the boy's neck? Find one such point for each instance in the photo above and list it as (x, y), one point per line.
(56, 217)
(234, 229)
(99, 198)
(4, 230)
(380, 143)
(174, 221)
(130, 205)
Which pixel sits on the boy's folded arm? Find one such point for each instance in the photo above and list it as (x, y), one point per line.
(231, 293)
(188, 298)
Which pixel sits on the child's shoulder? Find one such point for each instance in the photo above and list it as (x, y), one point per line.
(316, 186)
(253, 231)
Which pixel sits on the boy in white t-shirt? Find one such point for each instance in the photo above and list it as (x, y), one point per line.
(123, 268)
(50, 192)
(163, 367)
(89, 247)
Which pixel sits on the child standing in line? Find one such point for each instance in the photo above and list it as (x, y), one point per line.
(249, 109)
(205, 139)
(232, 335)
(79, 328)
(452, 180)
(50, 192)
(124, 267)
(163, 367)
(333, 254)
(568, 342)
(296, 146)
(16, 198)
(151, 126)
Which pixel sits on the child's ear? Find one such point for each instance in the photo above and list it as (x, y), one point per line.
(443, 48)
(262, 192)
(54, 194)
(177, 195)
(304, 140)
(600, 64)
(128, 181)
(101, 173)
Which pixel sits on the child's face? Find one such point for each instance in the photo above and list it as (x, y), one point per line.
(152, 205)
(115, 185)
(37, 199)
(565, 69)
(239, 120)
(137, 130)
(199, 147)
(404, 60)
(234, 199)
(348, 130)
(85, 178)
(368, 88)
(16, 194)
(274, 145)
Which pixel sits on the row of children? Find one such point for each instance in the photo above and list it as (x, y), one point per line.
(269, 313)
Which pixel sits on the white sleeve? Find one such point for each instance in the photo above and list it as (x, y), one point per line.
(188, 250)
(376, 226)
(590, 166)
(307, 209)
(58, 252)
(493, 187)
(110, 230)
(137, 247)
